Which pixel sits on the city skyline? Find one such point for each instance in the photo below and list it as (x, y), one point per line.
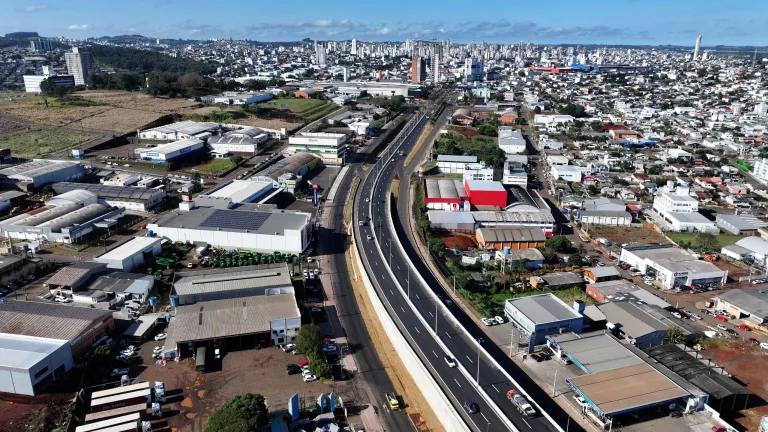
(654, 22)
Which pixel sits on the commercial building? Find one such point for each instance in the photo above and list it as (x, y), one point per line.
(760, 170)
(237, 98)
(286, 172)
(601, 274)
(40, 172)
(131, 254)
(749, 248)
(114, 289)
(246, 140)
(529, 219)
(220, 284)
(450, 164)
(418, 70)
(79, 327)
(237, 191)
(182, 130)
(259, 231)
(514, 175)
(63, 219)
(511, 141)
(639, 324)
(444, 194)
(748, 305)
(681, 211)
(451, 221)
(32, 82)
(129, 198)
(609, 218)
(510, 238)
(534, 259)
(486, 193)
(556, 281)
(479, 172)
(473, 70)
(671, 267)
(541, 315)
(566, 172)
(170, 151)
(40, 45)
(79, 65)
(622, 289)
(329, 147)
(739, 224)
(29, 364)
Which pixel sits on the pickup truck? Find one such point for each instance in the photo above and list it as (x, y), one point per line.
(522, 403)
(392, 401)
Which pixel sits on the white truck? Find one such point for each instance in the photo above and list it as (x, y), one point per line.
(522, 403)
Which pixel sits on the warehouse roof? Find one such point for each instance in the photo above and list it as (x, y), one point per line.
(562, 278)
(36, 167)
(216, 280)
(595, 352)
(543, 308)
(635, 321)
(24, 352)
(165, 149)
(290, 165)
(48, 320)
(755, 244)
(225, 220)
(497, 217)
(241, 190)
(628, 388)
(512, 234)
(130, 248)
(741, 222)
(485, 185)
(69, 275)
(444, 189)
(122, 193)
(449, 217)
(9, 195)
(231, 317)
(603, 271)
(749, 301)
(76, 216)
(187, 127)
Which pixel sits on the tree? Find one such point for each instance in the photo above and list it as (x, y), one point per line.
(537, 110)
(674, 335)
(559, 244)
(573, 110)
(521, 74)
(574, 260)
(308, 337)
(487, 130)
(243, 413)
(236, 159)
(706, 241)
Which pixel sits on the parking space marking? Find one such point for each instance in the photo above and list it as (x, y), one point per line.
(494, 387)
(417, 330)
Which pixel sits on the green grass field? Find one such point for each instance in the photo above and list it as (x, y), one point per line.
(43, 141)
(566, 295)
(309, 109)
(722, 239)
(216, 166)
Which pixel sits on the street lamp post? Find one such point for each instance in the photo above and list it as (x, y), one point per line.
(477, 377)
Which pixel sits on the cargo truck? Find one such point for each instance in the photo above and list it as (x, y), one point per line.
(522, 403)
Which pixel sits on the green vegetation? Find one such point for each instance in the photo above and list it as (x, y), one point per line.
(308, 337)
(243, 413)
(43, 141)
(559, 244)
(573, 110)
(486, 149)
(308, 109)
(674, 335)
(216, 166)
(711, 242)
(136, 60)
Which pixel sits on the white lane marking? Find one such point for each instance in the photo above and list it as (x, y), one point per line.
(430, 314)
(376, 262)
(526, 423)
(457, 382)
(470, 360)
(449, 336)
(390, 291)
(401, 308)
(494, 387)
(486, 418)
(398, 267)
(417, 330)
(417, 297)
(433, 352)
(383, 277)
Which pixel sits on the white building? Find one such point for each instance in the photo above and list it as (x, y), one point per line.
(478, 173)
(121, 179)
(170, 151)
(79, 65)
(552, 121)
(180, 130)
(330, 148)
(514, 174)
(246, 140)
(131, 254)
(32, 82)
(681, 211)
(39, 172)
(511, 141)
(29, 363)
(566, 172)
(450, 164)
(752, 247)
(760, 170)
(672, 267)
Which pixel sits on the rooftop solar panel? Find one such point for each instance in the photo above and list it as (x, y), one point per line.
(240, 220)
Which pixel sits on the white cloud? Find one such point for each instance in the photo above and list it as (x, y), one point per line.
(80, 27)
(384, 31)
(132, 29)
(31, 9)
(193, 31)
(323, 23)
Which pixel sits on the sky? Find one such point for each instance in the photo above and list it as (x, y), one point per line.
(630, 22)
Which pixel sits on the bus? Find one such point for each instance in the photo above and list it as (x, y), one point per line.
(121, 400)
(118, 390)
(141, 409)
(130, 418)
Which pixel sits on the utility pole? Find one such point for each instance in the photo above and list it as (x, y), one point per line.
(477, 377)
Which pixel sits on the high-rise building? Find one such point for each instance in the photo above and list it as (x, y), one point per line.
(79, 65)
(41, 45)
(346, 74)
(418, 70)
(473, 70)
(320, 52)
(697, 48)
(353, 51)
(437, 54)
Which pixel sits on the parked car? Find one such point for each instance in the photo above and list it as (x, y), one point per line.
(292, 369)
(745, 327)
(499, 319)
(753, 341)
(316, 309)
(120, 372)
(722, 318)
(161, 336)
(309, 378)
(580, 401)
(764, 345)
(488, 321)
(722, 327)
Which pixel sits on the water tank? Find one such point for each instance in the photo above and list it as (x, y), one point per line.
(174, 301)
(506, 250)
(153, 301)
(578, 306)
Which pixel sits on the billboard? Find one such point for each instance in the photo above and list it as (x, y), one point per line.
(293, 407)
(321, 403)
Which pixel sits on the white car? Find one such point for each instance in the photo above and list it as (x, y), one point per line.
(677, 315)
(158, 349)
(499, 319)
(647, 278)
(309, 378)
(764, 345)
(488, 321)
(368, 237)
(161, 336)
(580, 400)
(450, 362)
(116, 372)
(722, 327)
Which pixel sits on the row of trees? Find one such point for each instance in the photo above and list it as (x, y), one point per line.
(136, 60)
(169, 84)
(308, 341)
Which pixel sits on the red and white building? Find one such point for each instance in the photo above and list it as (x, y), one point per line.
(486, 193)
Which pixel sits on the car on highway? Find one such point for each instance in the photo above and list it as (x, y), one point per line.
(764, 345)
(677, 315)
(470, 407)
(448, 302)
(732, 332)
(745, 327)
(450, 362)
(753, 341)
(368, 237)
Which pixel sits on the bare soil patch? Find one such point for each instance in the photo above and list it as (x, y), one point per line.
(459, 241)
(138, 101)
(627, 234)
(120, 120)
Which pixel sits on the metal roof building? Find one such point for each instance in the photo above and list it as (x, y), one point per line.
(218, 284)
(645, 325)
(542, 315)
(131, 254)
(748, 304)
(133, 198)
(40, 172)
(28, 364)
(594, 352)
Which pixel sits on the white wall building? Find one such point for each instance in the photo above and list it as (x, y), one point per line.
(566, 172)
(131, 254)
(449, 164)
(760, 170)
(330, 148)
(29, 363)
(681, 211)
(478, 173)
(511, 141)
(514, 175)
(79, 65)
(170, 151)
(672, 267)
(32, 82)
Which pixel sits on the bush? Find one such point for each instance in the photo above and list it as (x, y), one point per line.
(308, 337)
(559, 244)
(243, 413)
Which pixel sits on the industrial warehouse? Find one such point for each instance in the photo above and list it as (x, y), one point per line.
(236, 308)
(40, 172)
(237, 191)
(258, 231)
(129, 198)
(170, 151)
(65, 218)
(131, 254)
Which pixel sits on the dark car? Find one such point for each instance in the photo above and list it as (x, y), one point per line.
(470, 407)
(538, 357)
(292, 369)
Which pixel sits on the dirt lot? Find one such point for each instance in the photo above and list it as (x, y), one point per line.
(460, 241)
(137, 101)
(10, 125)
(627, 234)
(34, 110)
(120, 120)
(734, 271)
(748, 365)
(195, 396)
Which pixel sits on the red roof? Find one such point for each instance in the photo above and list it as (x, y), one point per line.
(633, 208)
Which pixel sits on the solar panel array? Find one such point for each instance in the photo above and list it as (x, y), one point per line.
(102, 191)
(239, 220)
